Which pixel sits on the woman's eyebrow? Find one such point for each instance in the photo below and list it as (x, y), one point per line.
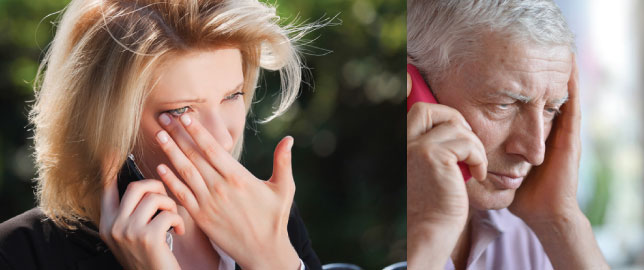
(194, 100)
(201, 100)
(237, 88)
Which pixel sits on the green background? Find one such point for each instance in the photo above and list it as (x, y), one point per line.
(348, 124)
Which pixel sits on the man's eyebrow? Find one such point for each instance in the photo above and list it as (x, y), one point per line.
(526, 99)
(560, 101)
(517, 96)
(201, 100)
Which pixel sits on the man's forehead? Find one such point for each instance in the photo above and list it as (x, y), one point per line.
(521, 70)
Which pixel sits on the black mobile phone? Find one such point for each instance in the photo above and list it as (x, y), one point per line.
(128, 173)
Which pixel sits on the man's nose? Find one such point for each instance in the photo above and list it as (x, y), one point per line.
(215, 123)
(527, 138)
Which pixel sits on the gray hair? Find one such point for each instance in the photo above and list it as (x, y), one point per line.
(446, 33)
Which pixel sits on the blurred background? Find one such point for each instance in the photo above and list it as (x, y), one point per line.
(609, 46)
(348, 123)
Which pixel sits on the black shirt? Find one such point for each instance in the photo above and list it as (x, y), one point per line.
(31, 241)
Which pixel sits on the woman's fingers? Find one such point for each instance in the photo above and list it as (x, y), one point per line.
(110, 195)
(282, 170)
(218, 157)
(109, 206)
(149, 205)
(135, 191)
(183, 165)
(165, 220)
(178, 188)
(191, 150)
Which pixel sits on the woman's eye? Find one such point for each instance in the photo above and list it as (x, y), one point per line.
(179, 111)
(234, 96)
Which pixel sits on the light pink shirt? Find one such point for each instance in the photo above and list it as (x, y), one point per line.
(500, 240)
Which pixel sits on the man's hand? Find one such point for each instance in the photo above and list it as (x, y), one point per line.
(437, 204)
(547, 199)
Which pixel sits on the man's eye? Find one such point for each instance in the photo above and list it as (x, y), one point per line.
(553, 111)
(178, 112)
(234, 96)
(503, 106)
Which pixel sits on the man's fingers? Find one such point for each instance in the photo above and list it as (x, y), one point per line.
(573, 107)
(448, 131)
(424, 116)
(409, 84)
(471, 154)
(568, 125)
(464, 147)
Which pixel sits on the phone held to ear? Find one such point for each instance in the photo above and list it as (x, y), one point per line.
(420, 92)
(130, 173)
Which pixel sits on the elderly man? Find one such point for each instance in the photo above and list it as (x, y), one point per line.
(504, 74)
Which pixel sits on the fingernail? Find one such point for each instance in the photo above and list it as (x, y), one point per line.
(163, 136)
(162, 169)
(467, 125)
(186, 120)
(164, 119)
(290, 143)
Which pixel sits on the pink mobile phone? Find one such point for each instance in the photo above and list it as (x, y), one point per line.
(420, 92)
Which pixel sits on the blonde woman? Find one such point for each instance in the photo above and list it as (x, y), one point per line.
(169, 82)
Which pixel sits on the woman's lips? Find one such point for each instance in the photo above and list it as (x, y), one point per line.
(505, 181)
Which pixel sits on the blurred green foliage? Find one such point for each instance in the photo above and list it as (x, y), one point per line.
(348, 123)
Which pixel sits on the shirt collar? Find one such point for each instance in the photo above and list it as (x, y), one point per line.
(487, 225)
(225, 262)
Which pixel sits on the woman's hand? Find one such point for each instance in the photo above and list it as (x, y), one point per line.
(135, 238)
(245, 216)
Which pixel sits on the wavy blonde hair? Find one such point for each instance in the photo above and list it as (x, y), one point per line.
(91, 86)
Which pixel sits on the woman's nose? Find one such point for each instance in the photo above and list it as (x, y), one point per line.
(215, 123)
